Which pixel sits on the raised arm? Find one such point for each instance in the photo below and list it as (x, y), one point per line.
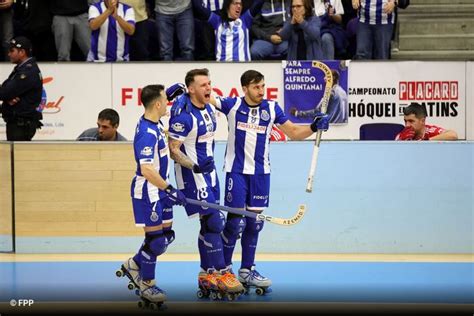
(256, 7)
(126, 26)
(96, 22)
(200, 11)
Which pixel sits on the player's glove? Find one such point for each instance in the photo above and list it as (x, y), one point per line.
(206, 166)
(408, 133)
(175, 90)
(293, 111)
(175, 196)
(320, 122)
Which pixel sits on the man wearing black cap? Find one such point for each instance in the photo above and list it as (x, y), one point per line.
(21, 93)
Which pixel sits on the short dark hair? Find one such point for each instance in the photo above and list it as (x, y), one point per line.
(335, 76)
(415, 108)
(193, 73)
(109, 115)
(250, 76)
(150, 93)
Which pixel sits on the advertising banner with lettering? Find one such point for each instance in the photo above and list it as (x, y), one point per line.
(73, 96)
(225, 81)
(378, 92)
(74, 93)
(305, 84)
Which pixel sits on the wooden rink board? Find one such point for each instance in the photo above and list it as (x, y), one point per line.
(5, 190)
(74, 189)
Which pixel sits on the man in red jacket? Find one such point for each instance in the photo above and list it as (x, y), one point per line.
(416, 129)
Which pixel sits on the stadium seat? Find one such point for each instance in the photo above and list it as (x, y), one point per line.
(379, 131)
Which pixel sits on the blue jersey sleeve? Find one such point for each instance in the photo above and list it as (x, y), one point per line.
(280, 116)
(247, 19)
(144, 147)
(224, 105)
(180, 125)
(214, 20)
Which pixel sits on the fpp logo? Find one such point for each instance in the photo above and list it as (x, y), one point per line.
(21, 302)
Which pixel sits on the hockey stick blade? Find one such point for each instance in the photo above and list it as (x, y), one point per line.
(271, 219)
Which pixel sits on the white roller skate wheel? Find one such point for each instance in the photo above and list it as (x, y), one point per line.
(200, 294)
(153, 306)
(141, 304)
(131, 286)
(259, 291)
(219, 296)
(119, 273)
(213, 296)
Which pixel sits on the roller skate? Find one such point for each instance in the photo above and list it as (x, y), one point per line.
(250, 278)
(207, 282)
(229, 286)
(152, 297)
(131, 270)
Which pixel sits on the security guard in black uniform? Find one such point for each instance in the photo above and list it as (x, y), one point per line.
(21, 93)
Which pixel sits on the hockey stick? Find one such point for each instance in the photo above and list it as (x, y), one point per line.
(324, 105)
(275, 220)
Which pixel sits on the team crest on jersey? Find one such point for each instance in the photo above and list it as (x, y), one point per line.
(265, 115)
(178, 127)
(154, 216)
(147, 151)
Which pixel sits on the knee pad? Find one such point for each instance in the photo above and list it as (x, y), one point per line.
(155, 243)
(169, 234)
(253, 225)
(213, 223)
(235, 225)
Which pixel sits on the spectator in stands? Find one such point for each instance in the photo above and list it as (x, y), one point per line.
(106, 130)
(265, 28)
(175, 17)
(205, 37)
(303, 32)
(33, 19)
(6, 27)
(231, 28)
(375, 27)
(417, 129)
(112, 23)
(139, 39)
(70, 23)
(334, 39)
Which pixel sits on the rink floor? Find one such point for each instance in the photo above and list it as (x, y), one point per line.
(298, 286)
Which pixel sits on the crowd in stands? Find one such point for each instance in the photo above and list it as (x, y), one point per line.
(222, 30)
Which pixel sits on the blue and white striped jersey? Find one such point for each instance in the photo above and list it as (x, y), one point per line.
(109, 42)
(247, 149)
(213, 5)
(150, 146)
(196, 130)
(371, 12)
(232, 38)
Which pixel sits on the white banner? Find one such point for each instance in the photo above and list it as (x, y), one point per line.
(76, 93)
